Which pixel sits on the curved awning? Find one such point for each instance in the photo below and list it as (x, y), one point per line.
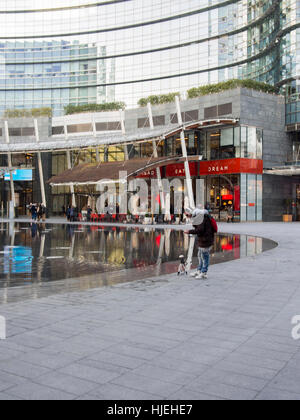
(91, 174)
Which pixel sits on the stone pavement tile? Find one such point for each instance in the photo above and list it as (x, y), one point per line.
(22, 369)
(214, 342)
(218, 334)
(153, 343)
(164, 374)
(88, 397)
(185, 394)
(229, 378)
(226, 391)
(273, 394)
(258, 352)
(50, 361)
(4, 385)
(112, 392)
(7, 345)
(104, 366)
(194, 353)
(7, 397)
(287, 380)
(185, 366)
(35, 392)
(34, 341)
(151, 386)
(270, 343)
(248, 370)
(168, 333)
(66, 383)
(118, 359)
(80, 349)
(12, 330)
(99, 376)
(133, 351)
(6, 355)
(258, 360)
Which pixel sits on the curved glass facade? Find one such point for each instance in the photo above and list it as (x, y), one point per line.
(83, 51)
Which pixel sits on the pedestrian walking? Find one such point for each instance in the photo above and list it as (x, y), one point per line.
(205, 229)
(33, 211)
(68, 213)
(230, 214)
(89, 213)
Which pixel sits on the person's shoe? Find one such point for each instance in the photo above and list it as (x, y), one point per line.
(201, 276)
(195, 274)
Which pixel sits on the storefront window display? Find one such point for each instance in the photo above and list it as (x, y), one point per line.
(240, 194)
(223, 194)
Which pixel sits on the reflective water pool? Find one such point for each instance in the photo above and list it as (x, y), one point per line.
(44, 254)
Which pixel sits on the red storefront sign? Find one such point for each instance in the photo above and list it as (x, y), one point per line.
(148, 174)
(178, 170)
(231, 166)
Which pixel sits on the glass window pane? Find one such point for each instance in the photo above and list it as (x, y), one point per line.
(227, 137)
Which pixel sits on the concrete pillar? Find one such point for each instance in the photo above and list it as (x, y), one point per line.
(69, 166)
(155, 154)
(40, 165)
(185, 155)
(12, 186)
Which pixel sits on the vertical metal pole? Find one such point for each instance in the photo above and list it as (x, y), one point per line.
(123, 128)
(69, 166)
(41, 173)
(12, 186)
(185, 155)
(95, 136)
(155, 154)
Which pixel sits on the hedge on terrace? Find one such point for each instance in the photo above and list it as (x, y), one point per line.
(158, 99)
(230, 84)
(79, 109)
(28, 113)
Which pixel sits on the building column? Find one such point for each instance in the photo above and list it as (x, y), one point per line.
(72, 190)
(12, 186)
(40, 165)
(155, 154)
(185, 156)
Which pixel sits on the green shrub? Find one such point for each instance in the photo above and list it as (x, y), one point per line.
(78, 109)
(158, 99)
(28, 113)
(230, 84)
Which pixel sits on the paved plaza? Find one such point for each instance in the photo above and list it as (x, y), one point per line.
(164, 338)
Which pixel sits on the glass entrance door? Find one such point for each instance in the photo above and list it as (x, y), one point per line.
(223, 197)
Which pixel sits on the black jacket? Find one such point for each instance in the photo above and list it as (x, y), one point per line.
(205, 233)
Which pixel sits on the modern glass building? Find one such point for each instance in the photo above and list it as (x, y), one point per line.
(55, 53)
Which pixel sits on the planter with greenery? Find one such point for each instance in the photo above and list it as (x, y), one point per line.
(79, 109)
(28, 113)
(230, 84)
(158, 99)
